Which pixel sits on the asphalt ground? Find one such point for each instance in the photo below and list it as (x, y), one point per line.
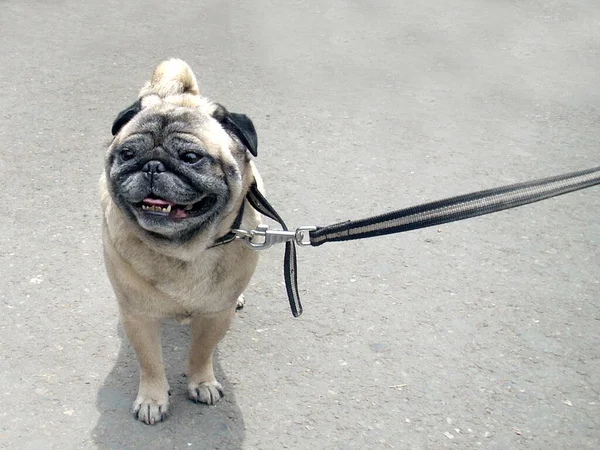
(477, 334)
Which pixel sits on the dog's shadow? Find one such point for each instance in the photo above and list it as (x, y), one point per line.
(188, 426)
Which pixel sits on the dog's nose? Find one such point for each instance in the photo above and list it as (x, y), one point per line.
(154, 167)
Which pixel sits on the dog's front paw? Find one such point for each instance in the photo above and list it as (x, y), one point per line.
(209, 392)
(151, 409)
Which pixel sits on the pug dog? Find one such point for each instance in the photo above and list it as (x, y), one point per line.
(176, 176)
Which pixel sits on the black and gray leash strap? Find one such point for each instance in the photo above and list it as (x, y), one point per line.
(421, 216)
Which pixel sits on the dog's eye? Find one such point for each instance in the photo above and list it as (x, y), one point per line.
(190, 157)
(127, 154)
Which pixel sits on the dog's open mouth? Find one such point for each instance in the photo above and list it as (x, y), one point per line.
(161, 207)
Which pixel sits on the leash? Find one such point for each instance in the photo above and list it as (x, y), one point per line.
(426, 215)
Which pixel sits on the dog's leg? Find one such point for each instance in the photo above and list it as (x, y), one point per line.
(207, 331)
(152, 400)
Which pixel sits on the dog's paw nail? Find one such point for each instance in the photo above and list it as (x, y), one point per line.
(241, 301)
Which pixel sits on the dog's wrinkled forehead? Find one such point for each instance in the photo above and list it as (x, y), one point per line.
(184, 119)
(182, 113)
(161, 120)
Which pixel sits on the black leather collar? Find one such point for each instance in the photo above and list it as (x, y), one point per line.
(228, 237)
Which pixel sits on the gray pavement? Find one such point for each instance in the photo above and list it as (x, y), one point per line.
(477, 334)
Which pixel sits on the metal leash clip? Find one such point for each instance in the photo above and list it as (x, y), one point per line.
(262, 237)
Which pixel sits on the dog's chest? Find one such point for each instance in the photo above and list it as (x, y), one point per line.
(181, 283)
(159, 285)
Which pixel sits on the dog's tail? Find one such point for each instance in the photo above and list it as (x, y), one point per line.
(171, 77)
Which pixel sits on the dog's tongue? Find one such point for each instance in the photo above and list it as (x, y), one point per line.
(178, 213)
(157, 202)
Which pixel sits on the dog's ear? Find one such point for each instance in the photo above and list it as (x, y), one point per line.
(125, 116)
(243, 128)
(240, 126)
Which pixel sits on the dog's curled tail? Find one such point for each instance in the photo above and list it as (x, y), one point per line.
(171, 77)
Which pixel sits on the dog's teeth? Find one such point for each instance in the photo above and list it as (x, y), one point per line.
(189, 207)
(156, 208)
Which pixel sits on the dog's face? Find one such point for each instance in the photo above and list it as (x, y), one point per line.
(176, 164)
